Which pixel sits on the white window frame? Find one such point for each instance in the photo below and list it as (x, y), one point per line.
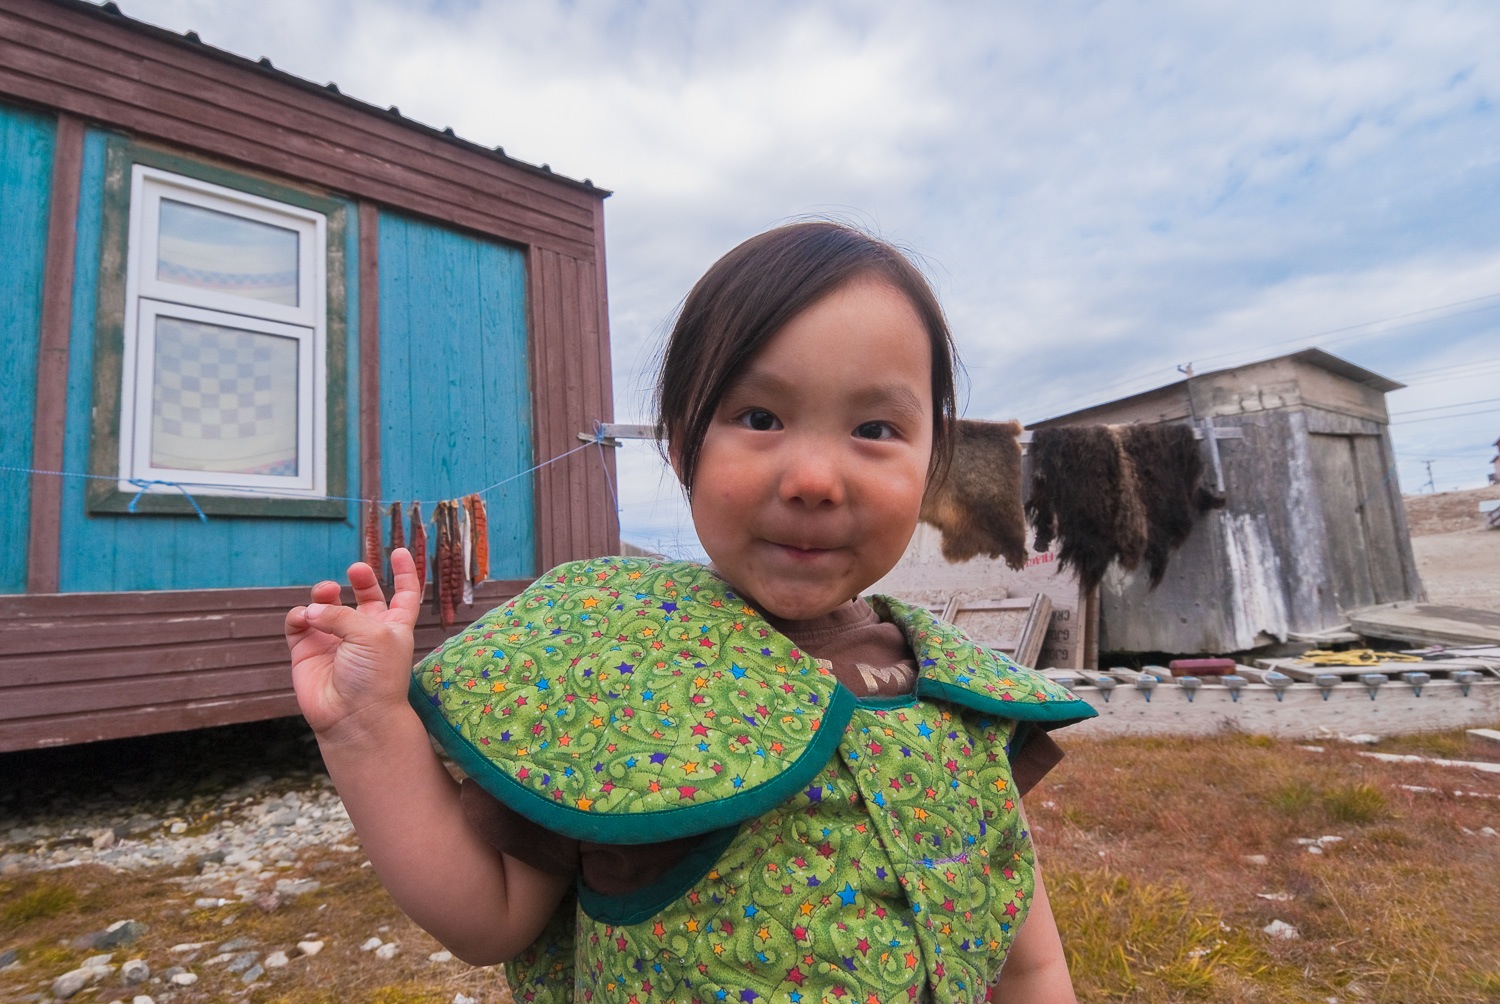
(147, 298)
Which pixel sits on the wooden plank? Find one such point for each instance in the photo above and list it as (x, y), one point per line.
(86, 697)
(39, 669)
(369, 350)
(52, 359)
(1014, 626)
(27, 141)
(1336, 471)
(121, 723)
(1428, 623)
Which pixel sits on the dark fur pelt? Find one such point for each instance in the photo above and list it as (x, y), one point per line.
(977, 505)
(1169, 466)
(1085, 494)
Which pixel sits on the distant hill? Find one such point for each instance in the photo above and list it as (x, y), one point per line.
(1447, 512)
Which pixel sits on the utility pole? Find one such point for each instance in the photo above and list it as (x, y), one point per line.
(1429, 486)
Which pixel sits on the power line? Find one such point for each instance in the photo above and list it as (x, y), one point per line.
(1438, 418)
(1441, 407)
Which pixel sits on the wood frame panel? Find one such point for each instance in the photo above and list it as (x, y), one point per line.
(52, 359)
(80, 667)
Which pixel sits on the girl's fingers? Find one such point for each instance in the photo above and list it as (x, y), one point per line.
(407, 599)
(326, 591)
(368, 596)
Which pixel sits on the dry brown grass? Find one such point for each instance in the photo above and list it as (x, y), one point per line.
(1145, 845)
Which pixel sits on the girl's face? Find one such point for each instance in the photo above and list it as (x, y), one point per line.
(812, 471)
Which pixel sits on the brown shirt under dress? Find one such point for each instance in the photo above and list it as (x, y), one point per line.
(869, 656)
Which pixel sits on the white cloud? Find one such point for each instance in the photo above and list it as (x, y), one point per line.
(1101, 189)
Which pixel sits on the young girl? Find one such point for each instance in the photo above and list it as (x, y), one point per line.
(742, 782)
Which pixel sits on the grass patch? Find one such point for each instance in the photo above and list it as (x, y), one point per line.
(1360, 802)
(45, 899)
(1127, 937)
(1148, 847)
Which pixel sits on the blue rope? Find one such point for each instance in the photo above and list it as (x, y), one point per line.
(145, 486)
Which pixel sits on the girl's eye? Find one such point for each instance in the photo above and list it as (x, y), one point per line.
(874, 430)
(759, 420)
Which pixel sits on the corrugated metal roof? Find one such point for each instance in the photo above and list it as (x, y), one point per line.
(111, 11)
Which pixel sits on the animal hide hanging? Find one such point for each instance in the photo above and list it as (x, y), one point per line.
(1169, 468)
(418, 537)
(977, 505)
(1084, 494)
(398, 539)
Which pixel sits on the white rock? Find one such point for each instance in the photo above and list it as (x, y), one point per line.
(1329, 840)
(276, 960)
(142, 999)
(1362, 738)
(187, 946)
(95, 961)
(1281, 929)
(443, 956)
(210, 903)
(1255, 859)
(178, 827)
(386, 951)
(1277, 897)
(1489, 831)
(135, 971)
(309, 947)
(74, 980)
(185, 979)
(370, 945)
(461, 999)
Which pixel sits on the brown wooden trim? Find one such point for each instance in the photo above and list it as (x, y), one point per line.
(158, 85)
(122, 723)
(45, 533)
(76, 667)
(369, 351)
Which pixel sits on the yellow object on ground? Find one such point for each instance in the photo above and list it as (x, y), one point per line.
(1356, 657)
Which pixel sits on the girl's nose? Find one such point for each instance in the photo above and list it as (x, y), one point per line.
(811, 477)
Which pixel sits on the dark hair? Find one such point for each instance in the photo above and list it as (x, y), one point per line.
(748, 295)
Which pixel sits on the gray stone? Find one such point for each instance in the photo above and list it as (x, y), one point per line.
(71, 982)
(120, 933)
(252, 974)
(236, 945)
(8, 956)
(242, 962)
(135, 971)
(167, 974)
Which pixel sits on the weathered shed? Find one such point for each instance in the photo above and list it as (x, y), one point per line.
(220, 276)
(1314, 525)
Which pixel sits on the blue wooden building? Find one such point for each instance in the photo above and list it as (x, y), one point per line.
(234, 292)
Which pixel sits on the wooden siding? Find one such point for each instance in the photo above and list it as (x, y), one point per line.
(88, 666)
(566, 295)
(52, 360)
(77, 58)
(103, 552)
(455, 406)
(26, 145)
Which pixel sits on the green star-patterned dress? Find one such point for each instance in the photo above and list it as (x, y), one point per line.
(854, 849)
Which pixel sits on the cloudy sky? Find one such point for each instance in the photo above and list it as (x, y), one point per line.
(1101, 192)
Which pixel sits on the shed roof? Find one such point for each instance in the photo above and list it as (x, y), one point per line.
(112, 13)
(1311, 357)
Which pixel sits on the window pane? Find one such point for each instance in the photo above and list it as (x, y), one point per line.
(223, 399)
(207, 249)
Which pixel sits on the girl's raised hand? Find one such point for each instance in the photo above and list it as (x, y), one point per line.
(351, 665)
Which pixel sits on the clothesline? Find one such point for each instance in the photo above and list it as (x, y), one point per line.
(144, 485)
